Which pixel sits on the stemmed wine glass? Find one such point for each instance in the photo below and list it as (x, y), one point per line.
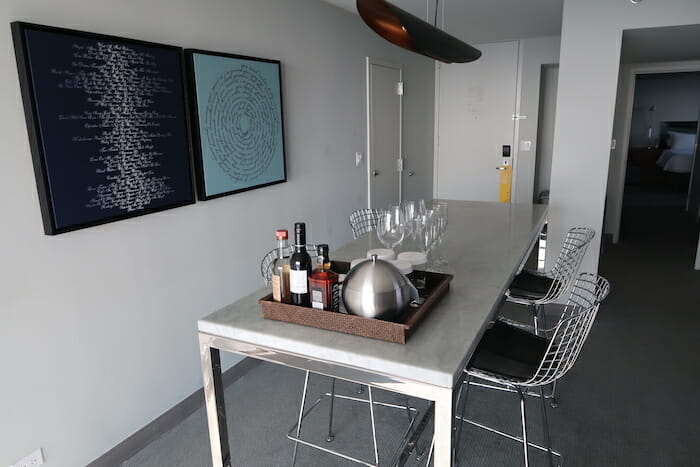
(410, 212)
(440, 212)
(391, 227)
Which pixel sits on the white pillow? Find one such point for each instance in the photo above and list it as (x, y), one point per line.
(682, 141)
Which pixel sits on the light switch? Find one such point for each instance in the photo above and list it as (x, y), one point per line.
(525, 145)
(358, 159)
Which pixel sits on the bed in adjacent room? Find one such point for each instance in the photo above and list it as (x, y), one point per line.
(679, 138)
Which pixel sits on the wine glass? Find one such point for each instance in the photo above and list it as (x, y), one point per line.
(391, 227)
(440, 212)
(410, 212)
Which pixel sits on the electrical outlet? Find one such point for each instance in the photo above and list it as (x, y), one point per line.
(34, 459)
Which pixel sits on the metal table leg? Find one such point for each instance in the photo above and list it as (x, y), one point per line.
(214, 402)
(443, 428)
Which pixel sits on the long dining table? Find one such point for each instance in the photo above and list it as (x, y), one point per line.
(484, 244)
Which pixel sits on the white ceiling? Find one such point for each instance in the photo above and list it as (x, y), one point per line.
(486, 20)
(669, 44)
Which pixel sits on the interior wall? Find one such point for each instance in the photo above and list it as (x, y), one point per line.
(98, 326)
(674, 97)
(535, 53)
(589, 64)
(475, 104)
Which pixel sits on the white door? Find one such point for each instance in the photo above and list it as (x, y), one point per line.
(383, 133)
(477, 102)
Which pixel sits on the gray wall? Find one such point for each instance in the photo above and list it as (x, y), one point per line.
(676, 97)
(589, 64)
(535, 53)
(98, 326)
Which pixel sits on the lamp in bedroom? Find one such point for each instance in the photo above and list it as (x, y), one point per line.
(650, 140)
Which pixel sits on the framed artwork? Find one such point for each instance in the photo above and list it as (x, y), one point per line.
(238, 122)
(108, 125)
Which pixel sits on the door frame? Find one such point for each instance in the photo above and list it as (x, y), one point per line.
(629, 80)
(370, 61)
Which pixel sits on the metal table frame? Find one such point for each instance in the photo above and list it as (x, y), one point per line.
(210, 347)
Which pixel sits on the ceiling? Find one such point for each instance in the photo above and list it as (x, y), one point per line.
(670, 44)
(486, 20)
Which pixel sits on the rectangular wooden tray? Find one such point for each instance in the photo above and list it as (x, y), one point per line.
(436, 286)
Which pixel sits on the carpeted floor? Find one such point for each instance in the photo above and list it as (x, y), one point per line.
(629, 401)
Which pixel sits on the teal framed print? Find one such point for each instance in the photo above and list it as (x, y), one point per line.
(238, 122)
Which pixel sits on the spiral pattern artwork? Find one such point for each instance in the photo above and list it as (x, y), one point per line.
(242, 124)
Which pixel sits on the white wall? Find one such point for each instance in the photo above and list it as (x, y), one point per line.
(589, 64)
(534, 54)
(98, 326)
(476, 102)
(675, 98)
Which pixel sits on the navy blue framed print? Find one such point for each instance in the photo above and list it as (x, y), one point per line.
(108, 125)
(237, 120)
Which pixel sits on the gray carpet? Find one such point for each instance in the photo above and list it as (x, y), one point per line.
(629, 401)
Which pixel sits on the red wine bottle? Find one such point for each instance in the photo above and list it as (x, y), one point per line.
(300, 268)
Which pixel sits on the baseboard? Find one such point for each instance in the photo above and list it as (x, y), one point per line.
(164, 423)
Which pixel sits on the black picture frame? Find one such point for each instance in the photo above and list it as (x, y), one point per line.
(137, 158)
(206, 170)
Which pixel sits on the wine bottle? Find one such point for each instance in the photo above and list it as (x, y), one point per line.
(300, 268)
(322, 282)
(280, 269)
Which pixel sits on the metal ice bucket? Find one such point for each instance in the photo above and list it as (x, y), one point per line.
(377, 289)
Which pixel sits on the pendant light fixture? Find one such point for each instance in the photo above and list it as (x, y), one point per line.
(412, 33)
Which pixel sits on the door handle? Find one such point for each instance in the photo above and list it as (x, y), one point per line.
(500, 168)
(411, 173)
(375, 173)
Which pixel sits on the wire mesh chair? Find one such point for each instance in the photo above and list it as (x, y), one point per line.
(535, 289)
(363, 221)
(517, 361)
(272, 255)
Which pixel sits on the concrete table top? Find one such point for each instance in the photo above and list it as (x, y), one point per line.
(485, 244)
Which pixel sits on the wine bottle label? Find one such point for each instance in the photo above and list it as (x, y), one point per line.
(298, 282)
(276, 288)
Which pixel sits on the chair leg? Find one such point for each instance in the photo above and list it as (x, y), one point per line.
(301, 416)
(524, 422)
(545, 426)
(330, 436)
(374, 432)
(535, 318)
(461, 410)
(552, 397)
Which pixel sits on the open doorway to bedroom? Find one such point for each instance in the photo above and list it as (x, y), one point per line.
(661, 145)
(653, 196)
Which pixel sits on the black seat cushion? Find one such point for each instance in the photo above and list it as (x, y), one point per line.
(530, 286)
(508, 351)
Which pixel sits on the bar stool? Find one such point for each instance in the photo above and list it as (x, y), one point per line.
(511, 359)
(534, 289)
(363, 221)
(271, 256)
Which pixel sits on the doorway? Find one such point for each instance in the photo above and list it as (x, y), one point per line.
(651, 201)
(384, 133)
(545, 132)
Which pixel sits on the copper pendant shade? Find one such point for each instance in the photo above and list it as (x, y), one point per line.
(411, 33)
